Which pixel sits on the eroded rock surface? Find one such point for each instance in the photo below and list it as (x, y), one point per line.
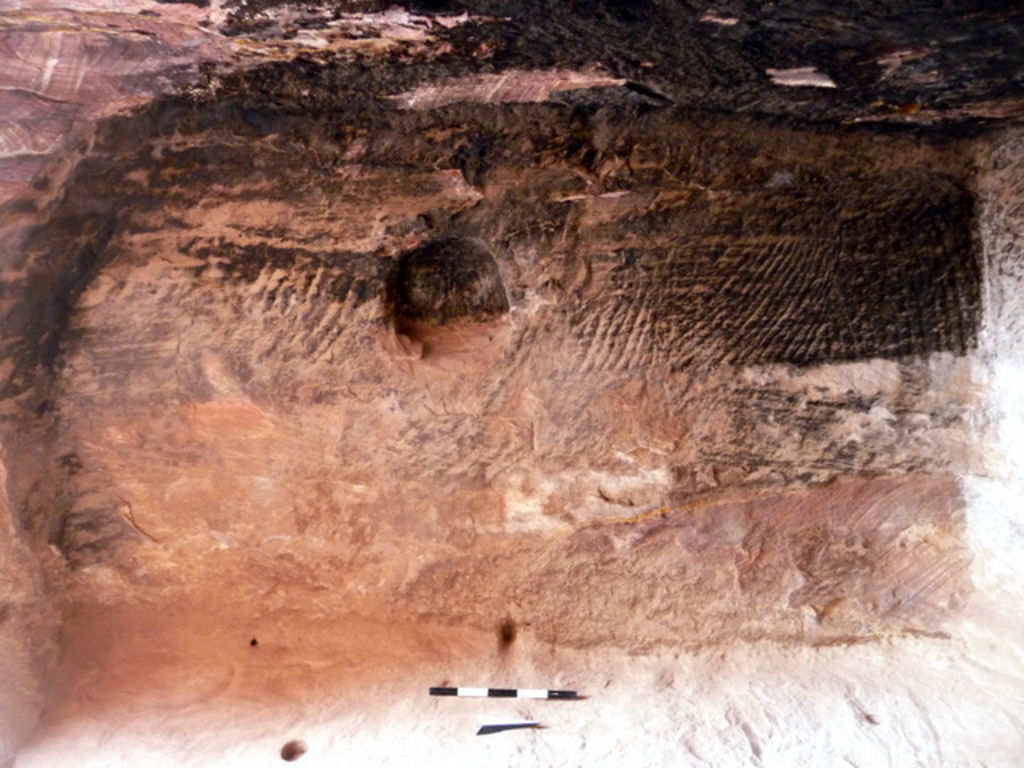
(417, 342)
(598, 327)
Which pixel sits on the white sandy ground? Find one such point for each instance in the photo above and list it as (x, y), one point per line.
(906, 702)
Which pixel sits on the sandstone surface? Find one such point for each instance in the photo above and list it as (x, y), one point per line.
(348, 350)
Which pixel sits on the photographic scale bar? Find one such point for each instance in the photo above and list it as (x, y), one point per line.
(506, 693)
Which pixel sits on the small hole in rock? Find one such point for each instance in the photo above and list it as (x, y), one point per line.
(506, 634)
(293, 750)
(254, 642)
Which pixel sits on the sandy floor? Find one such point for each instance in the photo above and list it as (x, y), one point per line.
(178, 687)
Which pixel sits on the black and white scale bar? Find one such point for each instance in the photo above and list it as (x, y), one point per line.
(505, 693)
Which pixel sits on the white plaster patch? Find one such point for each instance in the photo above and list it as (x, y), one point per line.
(525, 509)
(995, 521)
(993, 490)
(800, 76)
(710, 17)
(513, 86)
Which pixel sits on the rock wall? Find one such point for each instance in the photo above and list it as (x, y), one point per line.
(457, 386)
(28, 630)
(433, 350)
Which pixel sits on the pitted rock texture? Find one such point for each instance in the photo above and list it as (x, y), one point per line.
(413, 369)
(637, 250)
(837, 565)
(477, 319)
(912, 62)
(1001, 183)
(915, 61)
